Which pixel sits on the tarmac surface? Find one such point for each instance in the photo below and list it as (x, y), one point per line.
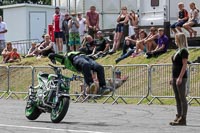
(98, 118)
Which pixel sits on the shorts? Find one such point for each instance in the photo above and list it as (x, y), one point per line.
(2, 46)
(58, 35)
(178, 24)
(119, 28)
(74, 39)
(195, 22)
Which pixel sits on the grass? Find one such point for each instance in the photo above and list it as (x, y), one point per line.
(110, 60)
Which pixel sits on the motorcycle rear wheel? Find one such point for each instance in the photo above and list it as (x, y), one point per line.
(59, 112)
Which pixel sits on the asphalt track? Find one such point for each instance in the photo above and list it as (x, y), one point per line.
(98, 118)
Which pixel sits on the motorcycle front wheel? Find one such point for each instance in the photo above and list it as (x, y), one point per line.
(59, 112)
(32, 112)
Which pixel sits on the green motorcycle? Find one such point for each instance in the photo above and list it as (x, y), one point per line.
(50, 95)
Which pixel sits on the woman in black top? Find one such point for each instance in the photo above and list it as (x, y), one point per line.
(179, 75)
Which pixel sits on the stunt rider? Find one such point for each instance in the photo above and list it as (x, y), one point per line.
(78, 62)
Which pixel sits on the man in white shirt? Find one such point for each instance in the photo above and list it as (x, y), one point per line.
(3, 30)
(82, 26)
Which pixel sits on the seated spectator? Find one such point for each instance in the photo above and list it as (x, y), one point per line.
(162, 45)
(193, 20)
(182, 18)
(119, 80)
(33, 50)
(151, 39)
(46, 47)
(87, 45)
(101, 46)
(140, 46)
(129, 45)
(122, 20)
(6, 52)
(14, 56)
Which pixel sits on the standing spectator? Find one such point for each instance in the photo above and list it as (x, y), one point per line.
(162, 45)
(133, 17)
(82, 26)
(3, 30)
(182, 18)
(129, 44)
(121, 20)
(92, 21)
(179, 79)
(6, 52)
(14, 56)
(46, 47)
(57, 26)
(74, 38)
(193, 19)
(65, 29)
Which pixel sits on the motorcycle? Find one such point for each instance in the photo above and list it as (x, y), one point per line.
(50, 95)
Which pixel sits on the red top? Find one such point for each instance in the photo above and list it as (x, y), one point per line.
(14, 55)
(57, 22)
(93, 18)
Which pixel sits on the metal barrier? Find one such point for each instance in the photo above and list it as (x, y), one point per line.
(194, 83)
(20, 78)
(3, 81)
(160, 76)
(136, 85)
(23, 45)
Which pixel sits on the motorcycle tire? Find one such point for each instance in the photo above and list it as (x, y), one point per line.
(59, 112)
(32, 112)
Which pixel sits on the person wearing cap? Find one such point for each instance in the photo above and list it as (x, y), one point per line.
(101, 46)
(162, 45)
(74, 38)
(129, 44)
(82, 26)
(57, 27)
(78, 62)
(92, 21)
(65, 29)
(182, 18)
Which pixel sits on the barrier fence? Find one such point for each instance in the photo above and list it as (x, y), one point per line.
(143, 82)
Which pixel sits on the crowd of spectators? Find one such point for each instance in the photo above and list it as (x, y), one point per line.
(84, 34)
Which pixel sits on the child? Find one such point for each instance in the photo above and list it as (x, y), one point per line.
(33, 50)
(14, 56)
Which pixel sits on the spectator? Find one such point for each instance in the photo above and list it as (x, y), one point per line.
(182, 18)
(101, 46)
(87, 45)
(193, 20)
(129, 44)
(65, 30)
(121, 20)
(46, 47)
(14, 56)
(74, 38)
(133, 17)
(162, 45)
(6, 52)
(92, 21)
(140, 45)
(82, 26)
(151, 39)
(179, 79)
(32, 51)
(3, 30)
(57, 26)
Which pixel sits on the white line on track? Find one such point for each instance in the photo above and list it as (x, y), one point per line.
(52, 129)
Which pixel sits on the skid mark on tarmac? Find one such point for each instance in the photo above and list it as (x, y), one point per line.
(52, 129)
